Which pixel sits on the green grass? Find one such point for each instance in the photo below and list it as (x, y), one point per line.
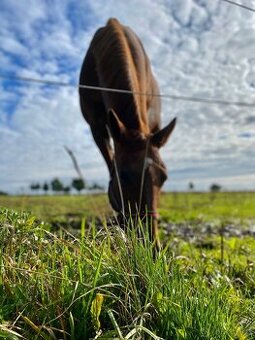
(176, 207)
(54, 207)
(225, 206)
(104, 285)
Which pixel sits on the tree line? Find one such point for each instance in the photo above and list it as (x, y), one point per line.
(57, 186)
(79, 184)
(214, 187)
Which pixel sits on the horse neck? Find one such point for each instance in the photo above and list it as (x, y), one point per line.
(122, 73)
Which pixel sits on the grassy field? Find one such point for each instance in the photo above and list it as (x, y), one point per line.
(102, 284)
(177, 207)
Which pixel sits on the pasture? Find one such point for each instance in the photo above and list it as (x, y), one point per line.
(69, 272)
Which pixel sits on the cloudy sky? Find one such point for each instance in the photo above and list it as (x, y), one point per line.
(198, 48)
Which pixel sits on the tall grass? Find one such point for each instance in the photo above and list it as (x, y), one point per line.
(109, 285)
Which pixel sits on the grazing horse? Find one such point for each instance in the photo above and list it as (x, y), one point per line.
(116, 59)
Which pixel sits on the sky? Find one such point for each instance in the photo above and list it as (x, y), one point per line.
(197, 48)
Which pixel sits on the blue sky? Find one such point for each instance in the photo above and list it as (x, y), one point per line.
(202, 48)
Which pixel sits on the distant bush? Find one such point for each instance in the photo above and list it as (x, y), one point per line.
(57, 185)
(215, 188)
(3, 193)
(78, 184)
(96, 186)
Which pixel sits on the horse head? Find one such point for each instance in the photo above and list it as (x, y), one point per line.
(138, 172)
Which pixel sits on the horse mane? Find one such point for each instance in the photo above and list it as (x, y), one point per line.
(117, 69)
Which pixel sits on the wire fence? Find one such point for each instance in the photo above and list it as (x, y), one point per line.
(240, 5)
(123, 91)
(214, 101)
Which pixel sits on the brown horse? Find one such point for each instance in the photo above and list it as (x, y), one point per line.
(116, 59)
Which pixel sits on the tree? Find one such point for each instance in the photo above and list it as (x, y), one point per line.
(35, 186)
(96, 186)
(78, 184)
(215, 187)
(3, 193)
(45, 187)
(66, 189)
(191, 186)
(57, 185)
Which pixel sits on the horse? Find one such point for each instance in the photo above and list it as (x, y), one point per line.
(116, 59)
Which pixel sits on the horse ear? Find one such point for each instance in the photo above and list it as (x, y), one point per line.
(116, 126)
(160, 137)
